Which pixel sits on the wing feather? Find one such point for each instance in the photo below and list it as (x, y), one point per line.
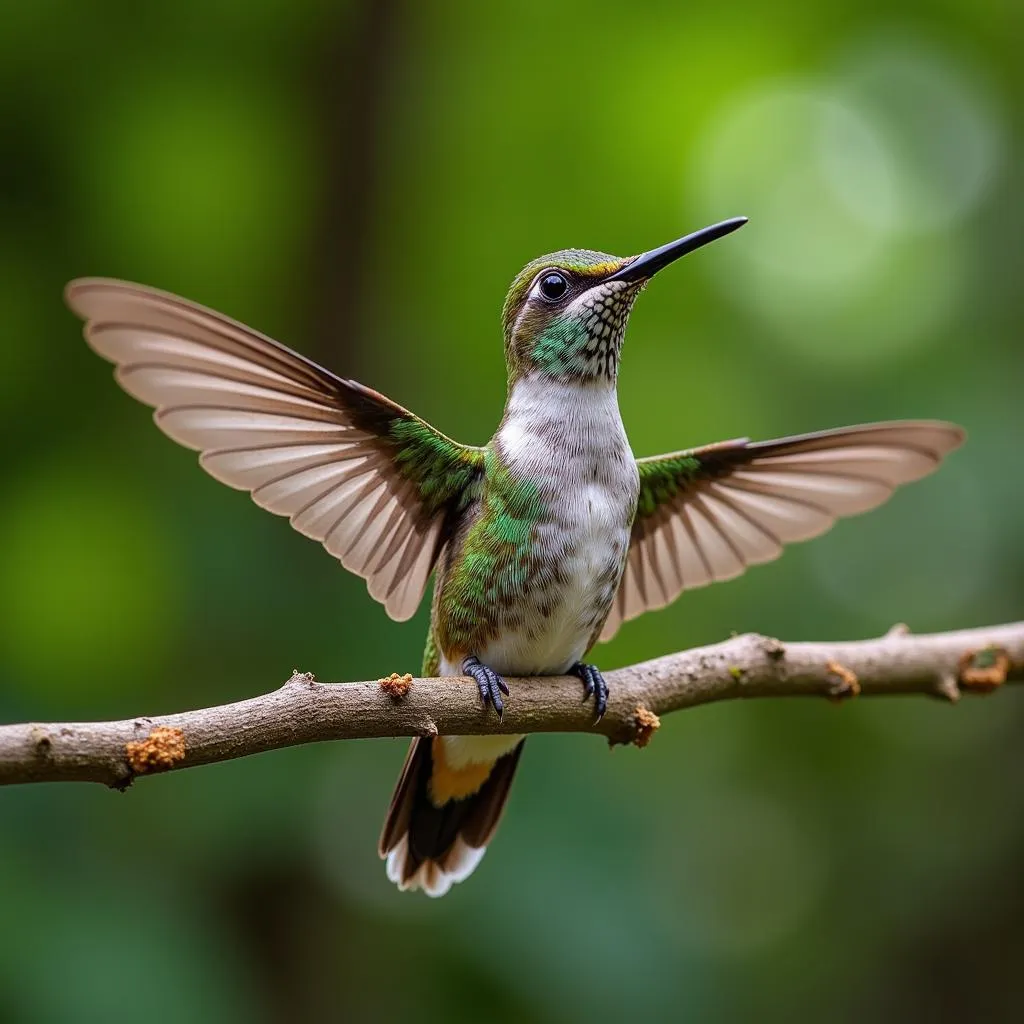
(350, 468)
(706, 514)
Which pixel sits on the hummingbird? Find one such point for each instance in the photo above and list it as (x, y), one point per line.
(541, 542)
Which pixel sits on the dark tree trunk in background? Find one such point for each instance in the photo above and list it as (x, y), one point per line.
(353, 88)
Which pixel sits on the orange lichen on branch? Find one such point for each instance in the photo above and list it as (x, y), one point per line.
(846, 685)
(396, 686)
(647, 724)
(983, 670)
(163, 748)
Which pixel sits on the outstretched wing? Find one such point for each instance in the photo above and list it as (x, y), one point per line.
(706, 514)
(349, 467)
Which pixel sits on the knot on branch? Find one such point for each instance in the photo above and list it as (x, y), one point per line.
(161, 749)
(41, 741)
(985, 669)
(396, 686)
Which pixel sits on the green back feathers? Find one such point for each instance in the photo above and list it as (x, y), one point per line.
(497, 556)
(662, 478)
(441, 468)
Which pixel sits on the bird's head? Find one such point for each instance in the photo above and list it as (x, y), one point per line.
(565, 314)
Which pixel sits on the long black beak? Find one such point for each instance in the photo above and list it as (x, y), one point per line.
(649, 263)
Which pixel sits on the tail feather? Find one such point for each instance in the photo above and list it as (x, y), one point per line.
(430, 845)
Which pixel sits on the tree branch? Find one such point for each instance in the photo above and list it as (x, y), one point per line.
(305, 711)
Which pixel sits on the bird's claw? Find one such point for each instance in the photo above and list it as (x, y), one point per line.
(491, 685)
(593, 685)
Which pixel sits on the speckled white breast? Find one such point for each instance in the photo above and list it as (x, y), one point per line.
(570, 442)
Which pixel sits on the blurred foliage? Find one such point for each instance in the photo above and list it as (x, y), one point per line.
(362, 181)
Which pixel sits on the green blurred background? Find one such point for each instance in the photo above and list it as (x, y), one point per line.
(362, 181)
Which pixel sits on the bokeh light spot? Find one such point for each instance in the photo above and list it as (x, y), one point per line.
(803, 234)
(937, 122)
(852, 182)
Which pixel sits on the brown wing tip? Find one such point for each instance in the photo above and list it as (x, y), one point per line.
(72, 293)
(957, 435)
(78, 291)
(944, 437)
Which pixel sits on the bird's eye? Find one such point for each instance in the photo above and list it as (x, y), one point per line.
(553, 286)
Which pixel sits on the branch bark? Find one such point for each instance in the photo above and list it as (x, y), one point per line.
(303, 710)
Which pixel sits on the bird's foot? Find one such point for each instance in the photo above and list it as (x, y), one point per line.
(593, 684)
(491, 685)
